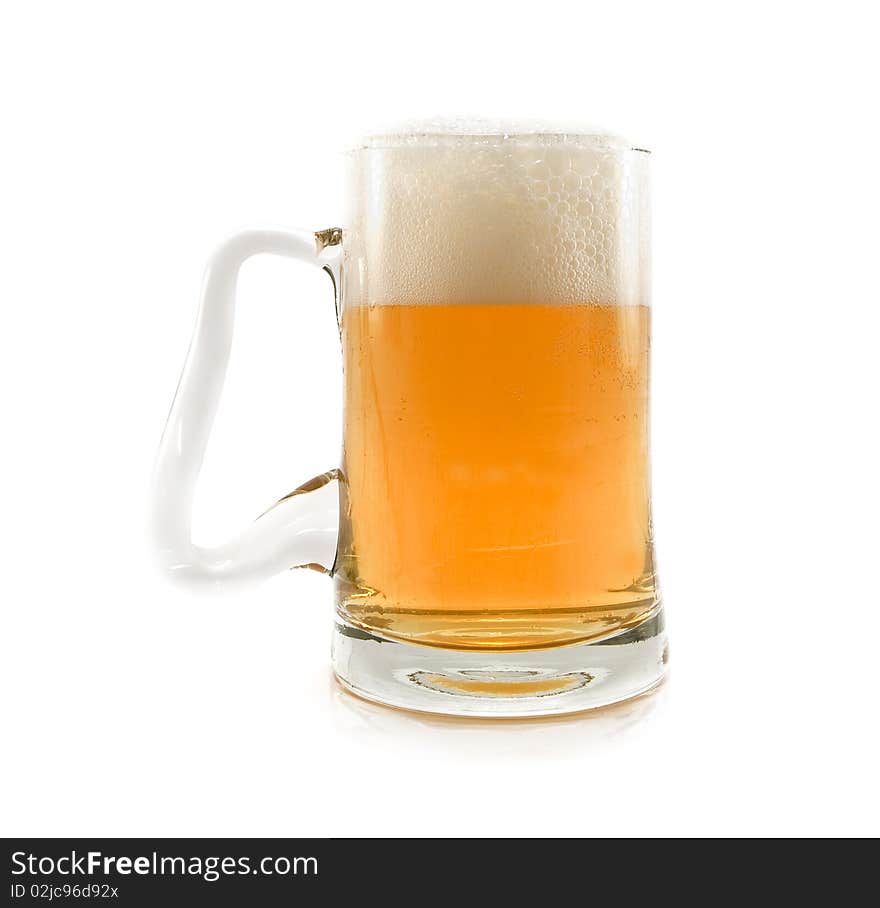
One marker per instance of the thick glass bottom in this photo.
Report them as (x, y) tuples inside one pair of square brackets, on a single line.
[(478, 683)]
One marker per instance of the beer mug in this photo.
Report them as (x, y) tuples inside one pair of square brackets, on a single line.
[(489, 529)]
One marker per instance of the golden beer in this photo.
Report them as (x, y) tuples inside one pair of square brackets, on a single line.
[(495, 552), (496, 473), (489, 529)]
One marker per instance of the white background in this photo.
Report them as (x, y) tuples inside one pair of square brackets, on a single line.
[(136, 136)]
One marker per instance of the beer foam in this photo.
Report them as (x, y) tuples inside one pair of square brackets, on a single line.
[(474, 129), (481, 211)]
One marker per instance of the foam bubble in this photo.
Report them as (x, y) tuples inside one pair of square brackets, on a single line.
[(485, 211)]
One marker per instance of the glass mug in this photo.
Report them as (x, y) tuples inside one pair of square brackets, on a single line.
[(489, 531)]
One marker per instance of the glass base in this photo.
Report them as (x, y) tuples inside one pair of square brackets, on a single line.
[(547, 682)]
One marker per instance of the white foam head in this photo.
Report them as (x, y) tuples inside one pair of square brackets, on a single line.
[(487, 211)]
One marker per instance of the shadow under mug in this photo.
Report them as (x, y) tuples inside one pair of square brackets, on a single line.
[(489, 529)]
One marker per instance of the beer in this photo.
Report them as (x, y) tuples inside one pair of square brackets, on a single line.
[(493, 553), (496, 481)]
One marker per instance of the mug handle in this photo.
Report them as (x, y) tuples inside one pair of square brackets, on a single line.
[(301, 529)]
